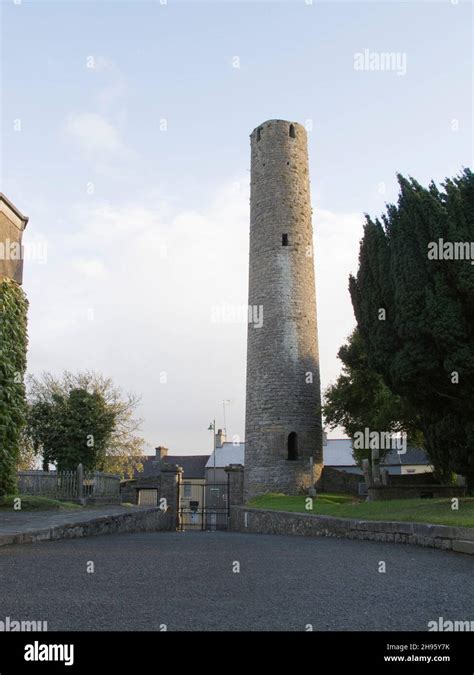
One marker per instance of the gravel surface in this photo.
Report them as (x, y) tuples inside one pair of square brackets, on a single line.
[(186, 581)]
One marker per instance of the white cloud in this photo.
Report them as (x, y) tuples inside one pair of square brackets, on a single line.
[(337, 237), (91, 269), (116, 86), (131, 293), (95, 137), (94, 134), (104, 63)]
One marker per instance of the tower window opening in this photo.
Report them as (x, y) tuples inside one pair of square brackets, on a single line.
[(284, 240), (293, 446), (259, 134), (292, 131)]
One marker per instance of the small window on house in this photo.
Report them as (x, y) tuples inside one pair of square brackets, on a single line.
[(292, 446), (292, 131), (259, 134), (284, 240), (187, 491)]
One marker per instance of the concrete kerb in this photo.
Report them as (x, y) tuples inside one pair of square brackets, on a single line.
[(262, 521)]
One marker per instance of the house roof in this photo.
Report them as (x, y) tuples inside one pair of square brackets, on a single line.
[(194, 466), (412, 456), (10, 209), (228, 453), (338, 452)]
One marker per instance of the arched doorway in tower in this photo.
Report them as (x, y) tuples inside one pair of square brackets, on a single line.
[(292, 446)]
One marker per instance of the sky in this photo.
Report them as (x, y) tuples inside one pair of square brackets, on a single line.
[(124, 139)]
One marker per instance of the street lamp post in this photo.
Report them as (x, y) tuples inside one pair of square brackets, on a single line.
[(212, 427)]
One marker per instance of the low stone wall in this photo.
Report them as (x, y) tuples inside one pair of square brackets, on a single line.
[(382, 492), (94, 501), (333, 480), (129, 488), (396, 479), (139, 520), (263, 521), (100, 501)]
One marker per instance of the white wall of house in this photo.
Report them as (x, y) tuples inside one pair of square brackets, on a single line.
[(416, 468)]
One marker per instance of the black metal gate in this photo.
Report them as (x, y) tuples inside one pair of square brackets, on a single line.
[(203, 505)]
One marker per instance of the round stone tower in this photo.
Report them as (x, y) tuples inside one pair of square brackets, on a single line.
[(283, 431)]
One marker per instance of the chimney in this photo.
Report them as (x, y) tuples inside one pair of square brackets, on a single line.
[(220, 438), (161, 452)]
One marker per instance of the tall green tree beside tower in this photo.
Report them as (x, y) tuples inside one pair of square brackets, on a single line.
[(415, 312), (360, 399)]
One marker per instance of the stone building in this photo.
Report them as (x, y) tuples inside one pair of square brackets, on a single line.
[(12, 225), (283, 407)]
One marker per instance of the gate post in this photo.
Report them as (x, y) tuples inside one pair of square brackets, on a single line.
[(235, 479), (170, 490)]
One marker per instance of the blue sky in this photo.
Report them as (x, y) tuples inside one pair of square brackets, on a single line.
[(135, 171)]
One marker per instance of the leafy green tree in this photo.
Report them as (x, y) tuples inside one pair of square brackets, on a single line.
[(66, 410), (415, 312), (73, 429), (360, 399), (13, 346)]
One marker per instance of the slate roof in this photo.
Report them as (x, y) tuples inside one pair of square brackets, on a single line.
[(338, 452), (227, 454), (193, 465), (412, 456)]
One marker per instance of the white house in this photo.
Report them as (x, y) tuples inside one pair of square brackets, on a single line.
[(225, 453), (337, 453)]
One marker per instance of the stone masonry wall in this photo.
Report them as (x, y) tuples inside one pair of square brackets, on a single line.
[(243, 519), (137, 520), (167, 483), (235, 474), (333, 480), (283, 382), (378, 493)]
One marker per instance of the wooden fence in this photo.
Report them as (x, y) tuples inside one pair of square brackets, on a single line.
[(77, 484)]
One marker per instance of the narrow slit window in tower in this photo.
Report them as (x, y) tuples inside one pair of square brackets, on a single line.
[(293, 446), (259, 134), (292, 131), (284, 240)]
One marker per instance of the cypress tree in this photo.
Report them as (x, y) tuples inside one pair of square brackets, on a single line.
[(415, 312)]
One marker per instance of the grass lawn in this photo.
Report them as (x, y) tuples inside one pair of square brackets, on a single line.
[(32, 503), (437, 511)]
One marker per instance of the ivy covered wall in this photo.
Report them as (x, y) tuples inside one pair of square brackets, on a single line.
[(13, 346)]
